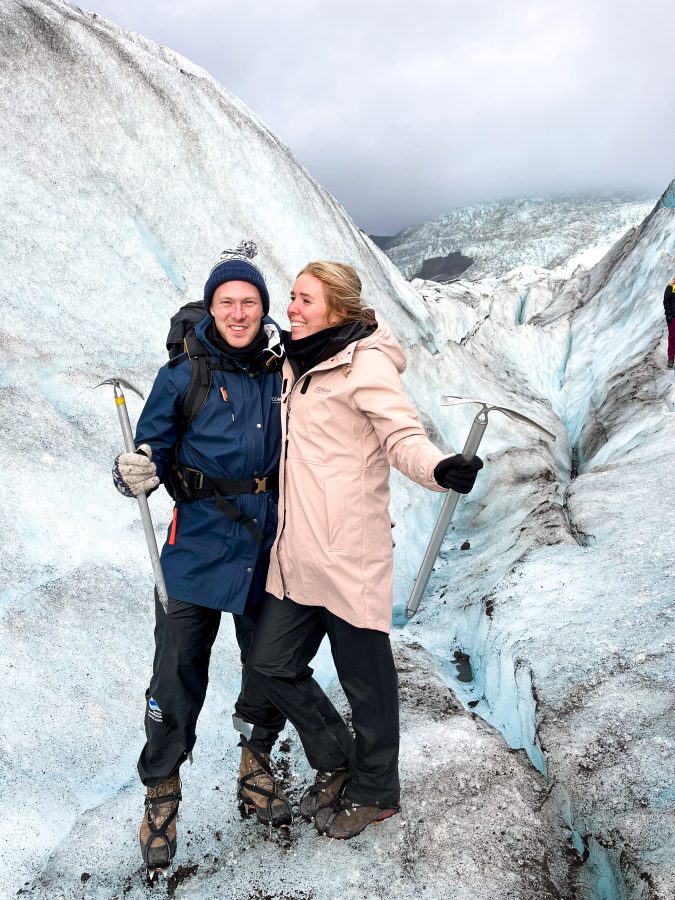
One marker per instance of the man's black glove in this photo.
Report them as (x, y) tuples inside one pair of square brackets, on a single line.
[(458, 474)]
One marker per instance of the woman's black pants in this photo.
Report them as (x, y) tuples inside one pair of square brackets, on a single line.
[(287, 638), (180, 675)]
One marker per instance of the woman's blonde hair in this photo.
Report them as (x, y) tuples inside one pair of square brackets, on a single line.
[(342, 288)]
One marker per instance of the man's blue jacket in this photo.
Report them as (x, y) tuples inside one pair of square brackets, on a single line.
[(214, 561)]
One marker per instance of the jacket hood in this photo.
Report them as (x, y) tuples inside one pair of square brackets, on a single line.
[(381, 339)]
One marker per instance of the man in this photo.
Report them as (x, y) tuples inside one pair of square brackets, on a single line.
[(669, 309), (220, 461)]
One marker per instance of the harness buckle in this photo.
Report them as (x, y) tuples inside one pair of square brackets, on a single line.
[(260, 485), (195, 480)]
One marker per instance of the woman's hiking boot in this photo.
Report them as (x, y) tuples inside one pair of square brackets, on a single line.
[(327, 788), (345, 819), (158, 828), (259, 791)]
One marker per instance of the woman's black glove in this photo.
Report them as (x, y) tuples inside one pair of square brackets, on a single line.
[(458, 474)]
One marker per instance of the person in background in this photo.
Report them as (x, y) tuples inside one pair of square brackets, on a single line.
[(669, 309), (345, 419)]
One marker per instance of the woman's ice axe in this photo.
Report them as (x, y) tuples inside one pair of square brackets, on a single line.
[(450, 503), (142, 499)]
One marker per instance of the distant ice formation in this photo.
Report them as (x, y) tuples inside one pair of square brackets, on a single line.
[(490, 239)]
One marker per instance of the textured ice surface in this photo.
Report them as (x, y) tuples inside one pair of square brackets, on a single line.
[(467, 802), (124, 171), (564, 601), (502, 235)]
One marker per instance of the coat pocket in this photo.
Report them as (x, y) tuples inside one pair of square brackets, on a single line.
[(204, 530), (335, 513)]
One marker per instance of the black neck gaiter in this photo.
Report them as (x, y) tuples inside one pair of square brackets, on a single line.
[(241, 354), (304, 353)]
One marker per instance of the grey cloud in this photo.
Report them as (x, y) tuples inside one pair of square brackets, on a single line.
[(406, 110)]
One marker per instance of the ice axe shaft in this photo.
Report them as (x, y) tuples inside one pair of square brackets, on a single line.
[(450, 503), (146, 518), (447, 511)]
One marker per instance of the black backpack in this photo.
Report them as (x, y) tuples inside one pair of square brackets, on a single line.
[(181, 325)]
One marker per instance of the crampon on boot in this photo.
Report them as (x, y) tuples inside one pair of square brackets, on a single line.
[(258, 790), (327, 788), (344, 819), (158, 828)]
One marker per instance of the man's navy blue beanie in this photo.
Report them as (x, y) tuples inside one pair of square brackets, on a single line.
[(236, 265)]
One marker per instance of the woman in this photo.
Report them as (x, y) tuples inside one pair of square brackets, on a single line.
[(345, 419)]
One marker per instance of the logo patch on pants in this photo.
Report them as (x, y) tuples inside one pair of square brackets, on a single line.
[(154, 711)]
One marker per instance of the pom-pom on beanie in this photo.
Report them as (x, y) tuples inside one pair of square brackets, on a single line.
[(236, 265)]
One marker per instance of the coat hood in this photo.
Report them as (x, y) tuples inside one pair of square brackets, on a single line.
[(381, 339)]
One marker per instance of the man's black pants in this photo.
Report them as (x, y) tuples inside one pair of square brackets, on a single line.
[(183, 642), (287, 638)]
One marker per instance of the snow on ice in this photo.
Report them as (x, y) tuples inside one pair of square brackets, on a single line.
[(537, 679), (494, 238)]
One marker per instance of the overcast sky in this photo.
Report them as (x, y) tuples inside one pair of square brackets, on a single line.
[(406, 110)]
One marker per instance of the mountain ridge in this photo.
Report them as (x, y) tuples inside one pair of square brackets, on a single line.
[(501, 235)]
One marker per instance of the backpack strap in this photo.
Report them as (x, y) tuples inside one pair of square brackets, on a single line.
[(203, 365), (195, 485), (200, 382)]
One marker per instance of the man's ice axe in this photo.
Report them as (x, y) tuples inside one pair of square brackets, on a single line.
[(450, 503), (142, 499)]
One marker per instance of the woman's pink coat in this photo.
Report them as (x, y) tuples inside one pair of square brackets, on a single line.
[(343, 424)]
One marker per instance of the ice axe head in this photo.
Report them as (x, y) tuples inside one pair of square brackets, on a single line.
[(118, 383), (488, 408)]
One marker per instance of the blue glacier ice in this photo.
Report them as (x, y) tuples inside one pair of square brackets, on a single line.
[(125, 170)]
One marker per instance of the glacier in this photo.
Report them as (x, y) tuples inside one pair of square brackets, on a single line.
[(536, 680), (490, 239)]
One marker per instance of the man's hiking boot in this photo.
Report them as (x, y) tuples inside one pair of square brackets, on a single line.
[(259, 792), (327, 788), (345, 819), (158, 828)]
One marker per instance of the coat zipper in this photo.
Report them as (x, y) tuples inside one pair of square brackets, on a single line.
[(307, 378), (305, 385), (288, 417)]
